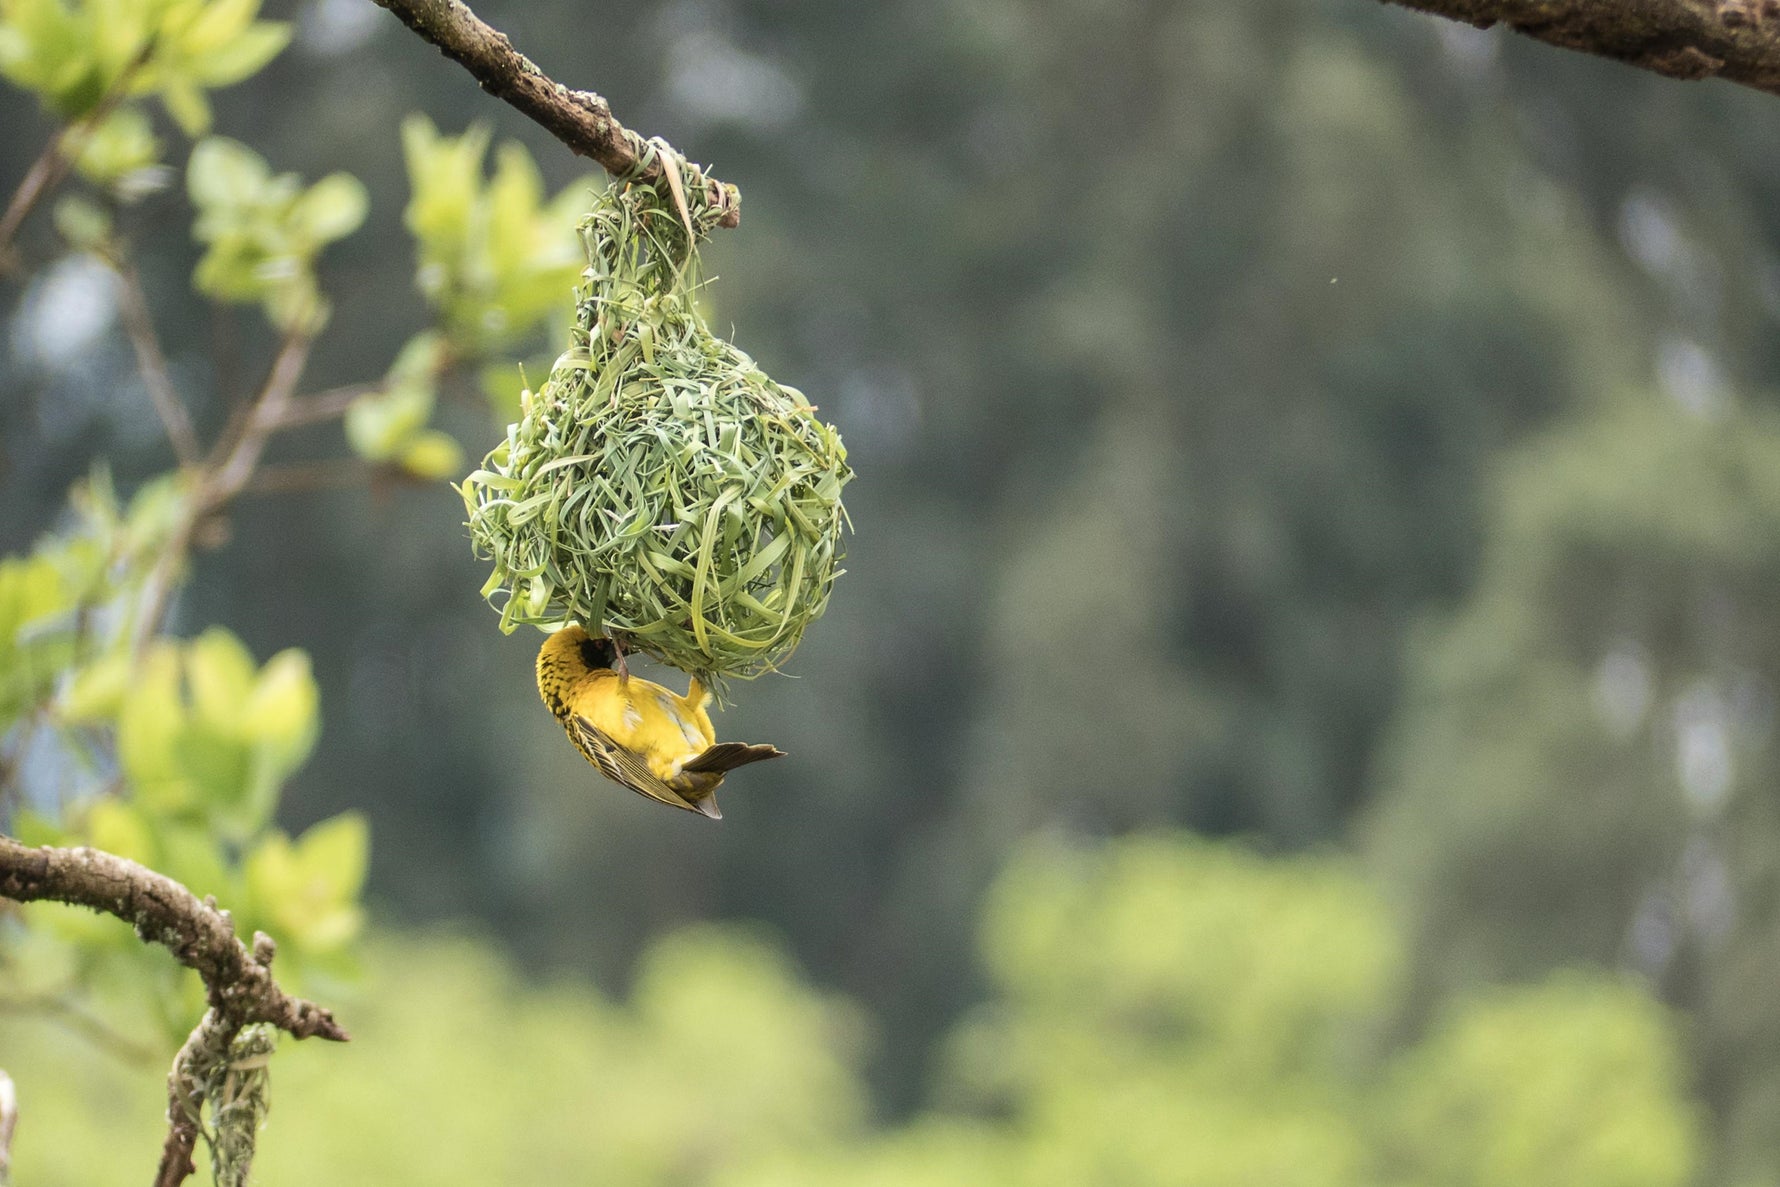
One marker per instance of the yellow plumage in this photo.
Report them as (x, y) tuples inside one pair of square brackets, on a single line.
[(635, 732)]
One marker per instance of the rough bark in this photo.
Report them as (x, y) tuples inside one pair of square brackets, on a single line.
[(582, 120), (238, 980), (199, 935), (1738, 40)]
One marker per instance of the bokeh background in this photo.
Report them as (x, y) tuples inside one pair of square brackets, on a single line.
[(1301, 704)]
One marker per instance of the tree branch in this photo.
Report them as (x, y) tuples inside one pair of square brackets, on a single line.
[(238, 982), (200, 936), (52, 165), (44, 175), (582, 120), (224, 475), (235, 467), (151, 361), (1738, 40), (328, 474), (329, 405)]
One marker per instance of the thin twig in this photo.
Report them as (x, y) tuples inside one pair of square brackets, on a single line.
[(329, 474), (93, 1029), (226, 480), (44, 175), (223, 476), (322, 406), (53, 164), (157, 593), (151, 360), (239, 982), (582, 120)]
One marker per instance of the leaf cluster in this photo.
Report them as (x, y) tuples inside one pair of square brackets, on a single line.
[(89, 61), (75, 585), (390, 425), (170, 753), (78, 54), (494, 261), (263, 231)]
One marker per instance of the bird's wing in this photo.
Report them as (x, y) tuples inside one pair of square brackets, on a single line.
[(727, 756), (621, 765)]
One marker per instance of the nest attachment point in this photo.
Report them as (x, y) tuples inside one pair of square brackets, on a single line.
[(661, 488)]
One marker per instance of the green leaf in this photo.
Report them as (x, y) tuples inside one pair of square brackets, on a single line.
[(149, 728), (217, 765), (331, 209), (513, 197), (97, 690), (307, 892), (220, 672), (122, 147), (186, 103), (76, 54), (443, 179), (420, 359), (334, 855), (282, 714), (264, 231), (242, 55), (76, 927), (36, 637), (294, 305), (380, 426), (70, 56), (494, 262), (432, 454), (155, 510), (118, 827), (225, 174), (192, 855), (34, 829)]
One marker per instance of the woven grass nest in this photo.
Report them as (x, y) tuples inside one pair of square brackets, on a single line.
[(660, 487)]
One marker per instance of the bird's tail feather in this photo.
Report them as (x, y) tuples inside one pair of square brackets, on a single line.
[(727, 756)]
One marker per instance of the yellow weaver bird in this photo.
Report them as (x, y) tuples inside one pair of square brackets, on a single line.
[(649, 738)]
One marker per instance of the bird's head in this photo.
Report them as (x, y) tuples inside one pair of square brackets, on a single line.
[(572, 650), (596, 652)]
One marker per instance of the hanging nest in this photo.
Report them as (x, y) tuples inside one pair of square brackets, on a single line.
[(660, 487)]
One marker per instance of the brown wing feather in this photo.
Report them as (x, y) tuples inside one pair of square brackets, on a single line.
[(727, 756), (621, 766)]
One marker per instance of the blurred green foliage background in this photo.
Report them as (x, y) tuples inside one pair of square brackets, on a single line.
[(1309, 425), (1163, 1010)]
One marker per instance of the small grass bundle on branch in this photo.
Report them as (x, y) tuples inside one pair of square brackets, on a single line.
[(660, 487)]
